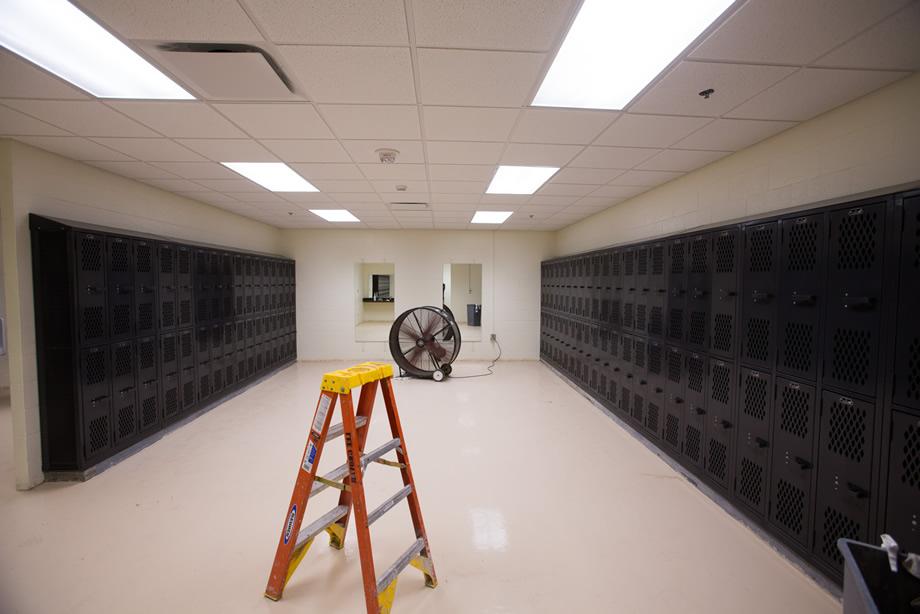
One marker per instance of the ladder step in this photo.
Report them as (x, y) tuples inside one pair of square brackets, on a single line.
[(336, 430), (387, 505), (319, 525), (393, 570), (342, 470)]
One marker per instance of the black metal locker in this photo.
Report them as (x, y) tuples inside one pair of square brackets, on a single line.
[(215, 306), (845, 456), (628, 295), (217, 341), (242, 371), (203, 344), (655, 400), (906, 378), (169, 353), (95, 378), (722, 422), (125, 419), (674, 399), (186, 347), (698, 293), (758, 286), (801, 294), (902, 519), (854, 288), (202, 286), (91, 289), (677, 290), (204, 380), (171, 395), (189, 381), (793, 459), (639, 381), (723, 309), (166, 256), (145, 282), (120, 283), (229, 369), (755, 419), (695, 368)]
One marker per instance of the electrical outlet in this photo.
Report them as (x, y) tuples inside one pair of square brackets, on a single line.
[(492, 337)]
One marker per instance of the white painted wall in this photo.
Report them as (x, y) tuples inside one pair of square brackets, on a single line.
[(325, 291), (35, 181), (466, 289), (374, 312), (4, 358), (866, 146)]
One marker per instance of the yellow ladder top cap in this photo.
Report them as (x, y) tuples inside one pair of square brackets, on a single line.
[(345, 380)]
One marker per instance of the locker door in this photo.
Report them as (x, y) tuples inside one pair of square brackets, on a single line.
[(203, 344), (169, 353), (217, 357), (627, 377), (801, 295), (616, 279), (754, 421), (903, 506), (120, 276), (628, 318), (723, 323), (167, 286), (615, 371), (658, 288), (204, 381), (758, 287), (642, 289), (640, 386), (124, 392), (187, 362), (696, 366), (91, 289), (170, 395), (226, 285), (202, 286), (698, 283), (907, 352), (654, 413), (215, 306), (95, 376), (147, 389), (144, 288), (677, 290), (185, 285), (844, 474), (854, 288), (720, 440), (793, 460), (674, 399)]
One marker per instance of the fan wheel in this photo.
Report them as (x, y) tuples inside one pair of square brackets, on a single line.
[(424, 341)]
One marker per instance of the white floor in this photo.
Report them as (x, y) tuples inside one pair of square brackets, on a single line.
[(535, 502)]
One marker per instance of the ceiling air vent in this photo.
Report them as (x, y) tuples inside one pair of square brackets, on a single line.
[(226, 71), (408, 206)]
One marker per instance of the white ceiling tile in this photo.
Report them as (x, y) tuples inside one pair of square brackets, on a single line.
[(551, 201), (461, 172), (529, 154), (405, 197), (22, 79), (372, 121), (213, 198), (732, 134), (14, 123), (892, 44), (328, 185), (564, 126), (307, 199), (680, 160), (82, 117), (151, 150), (179, 119), (379, 75), (230, 150), (365, 152), (504, 199), (135, 170), (524, 25), (332, 22), (595, 176), (645, 178), (613, 157), (468, 124), (236, 185), (355, 197), (459, 187), (477, 78), (278, 120), (451, 152), (384, 186), (74, 147), (296, 150), (565, 189), (394, 172), (677, 93), (260, 198), (176, 185), (618, 191), (790, 31), (812, 91), (454, 199), (201, 20), (632, 130), (329, 171), (197, 170)]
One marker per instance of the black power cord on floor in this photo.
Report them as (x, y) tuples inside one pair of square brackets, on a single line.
[(489, 368)]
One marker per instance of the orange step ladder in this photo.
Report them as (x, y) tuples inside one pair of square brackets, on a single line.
[(349, 479)]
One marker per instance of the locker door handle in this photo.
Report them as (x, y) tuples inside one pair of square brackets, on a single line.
[(678, 292), (727, 294), (146, 290), (99, 399), (802, 463), (856, 491), (761, 442), (169, 288), (658, 389), (124, 391), (119, 289), (698, 293), (616, 369), (642, 382), (95, 289), (725, 424), (858, 303), (629, 376), (758, 296), (802, 299), (700, 411), (678, 400)]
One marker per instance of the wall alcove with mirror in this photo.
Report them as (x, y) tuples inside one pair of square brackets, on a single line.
[(461, 291), (375, 300)]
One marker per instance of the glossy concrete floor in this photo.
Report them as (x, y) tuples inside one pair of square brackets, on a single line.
[(534, 500)]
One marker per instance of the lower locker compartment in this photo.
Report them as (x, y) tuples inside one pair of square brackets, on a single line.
[(97, 428), (170, 395), (839, 513), (188, 381), (125, 418), (719, 451), (204, 380), (694, 434), (752, 473), (902, 519)]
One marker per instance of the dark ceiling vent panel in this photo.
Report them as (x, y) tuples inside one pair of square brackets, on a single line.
[(228, 71)]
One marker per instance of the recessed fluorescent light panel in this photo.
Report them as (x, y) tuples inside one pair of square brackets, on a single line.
[(520, 179), (63, 40), (490, 217), (614, 49), (335, 215), (274, 176)]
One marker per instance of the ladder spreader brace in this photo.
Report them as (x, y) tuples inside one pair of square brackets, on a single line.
[(349, 480)]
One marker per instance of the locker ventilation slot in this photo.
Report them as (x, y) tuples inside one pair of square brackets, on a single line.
[(755, 397), (677, 259), (628, 316), (185, 311), (184, 262), (699, 256), (722, 332), (794, 411), (651, 417), (797, 349), (913, 370), (654, 359), (629, 258), (121, 319), (676, 324), (671, 433), (120, 261), (852, 350), (145, 316), (123, 360), (758, 339), (640, 354), (166, 261), (717, 456), (169, 350), (91, 254), (910, 466), (642, 265), (761, 258), (803, 246), (856, 246), (837, 525), (721, 382), (98, 434), (186, 341), (95, 368), (146, 351), (637, 407), (790, 506), (725, 253), (658, 260), (142, 254), (674, 367), (126, 421), (695, 374), (640, 317), (697, 332), (171, 401), (847, 430), (750, 481), (93, 322), (149, 411), (655, 321), (188, 394), (692, 444)]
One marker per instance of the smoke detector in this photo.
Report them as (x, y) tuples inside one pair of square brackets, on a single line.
[(387, 156)]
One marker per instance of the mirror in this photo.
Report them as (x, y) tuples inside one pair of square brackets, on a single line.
[(461, 291), (374, 300)]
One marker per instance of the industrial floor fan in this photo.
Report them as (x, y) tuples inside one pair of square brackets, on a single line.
[(424, 341)]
